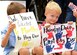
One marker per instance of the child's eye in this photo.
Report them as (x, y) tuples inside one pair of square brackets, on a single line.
[(52, 15)]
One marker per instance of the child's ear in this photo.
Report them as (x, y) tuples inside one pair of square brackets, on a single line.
[(45, 13)]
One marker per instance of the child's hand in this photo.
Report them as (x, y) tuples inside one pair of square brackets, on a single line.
[(11, 26), (75, 12), (70, 22), (47, 25)]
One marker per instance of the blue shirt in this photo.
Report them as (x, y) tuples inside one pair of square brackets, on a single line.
[(11, 42)]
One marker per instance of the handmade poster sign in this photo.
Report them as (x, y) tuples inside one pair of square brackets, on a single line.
[(58, 38), (26, 31)]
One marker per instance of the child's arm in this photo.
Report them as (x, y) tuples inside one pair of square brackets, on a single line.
[(7, 35), (73, 7), (75, 12)]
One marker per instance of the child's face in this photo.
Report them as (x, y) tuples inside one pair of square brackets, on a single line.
[(52, 16)]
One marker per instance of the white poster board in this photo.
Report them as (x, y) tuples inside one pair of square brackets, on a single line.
[(26, 31), (59, 38)]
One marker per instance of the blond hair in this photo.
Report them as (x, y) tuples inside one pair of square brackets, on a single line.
[(53, 6)]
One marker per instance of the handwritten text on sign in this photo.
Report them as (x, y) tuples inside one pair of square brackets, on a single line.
[(58, 38), (26, 31)]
